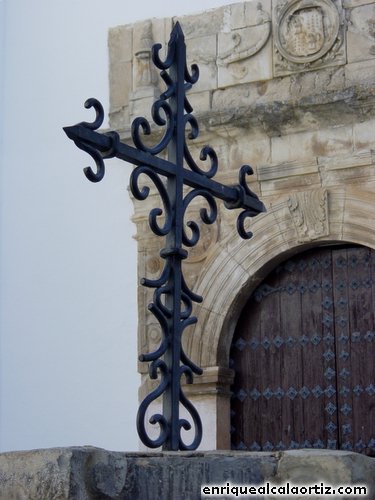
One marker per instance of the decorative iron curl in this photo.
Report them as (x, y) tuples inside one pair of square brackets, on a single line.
[(244, 194), (193, 296), (187, 368), (185, 424), (99, 118), (141, 126), (171, 51), (142, 194), (206, 152), (94, 153), (98, 159), (192, 77), (245, 170), (163, 314), (142, 123), (208, 217), (184, 358), (160, 351), (157, 418)]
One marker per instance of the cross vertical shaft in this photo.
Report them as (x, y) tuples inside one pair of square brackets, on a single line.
[(171, 397)]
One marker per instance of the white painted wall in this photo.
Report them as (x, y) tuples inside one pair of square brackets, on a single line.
[(68, 337)]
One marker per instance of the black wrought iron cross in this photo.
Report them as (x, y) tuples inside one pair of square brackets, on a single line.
[(172, 299)]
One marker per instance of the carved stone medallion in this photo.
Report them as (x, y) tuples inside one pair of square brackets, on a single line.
[(308, 33)]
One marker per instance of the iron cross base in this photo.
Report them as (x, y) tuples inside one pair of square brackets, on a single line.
[(172, 298)]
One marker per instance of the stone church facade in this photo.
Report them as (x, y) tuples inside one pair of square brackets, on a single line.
[(289, 88)]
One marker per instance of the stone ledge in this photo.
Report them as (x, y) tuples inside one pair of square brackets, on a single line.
[(85, 473), (233, 109)]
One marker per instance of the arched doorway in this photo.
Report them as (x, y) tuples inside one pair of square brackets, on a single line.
[(304, 355)]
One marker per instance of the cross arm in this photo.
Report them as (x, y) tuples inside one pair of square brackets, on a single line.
[(108, 145)]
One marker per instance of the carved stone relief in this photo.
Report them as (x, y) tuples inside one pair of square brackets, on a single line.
[(144, 87), (237, 48), (308, 34), (246, 42), (309, 211)]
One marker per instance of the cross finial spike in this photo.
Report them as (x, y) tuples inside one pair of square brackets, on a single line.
[(177, 30)]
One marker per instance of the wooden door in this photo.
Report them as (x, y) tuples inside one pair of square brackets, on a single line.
[(304, 355)]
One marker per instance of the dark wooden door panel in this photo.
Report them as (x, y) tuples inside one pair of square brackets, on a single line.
[(353, 276), (303, 354)]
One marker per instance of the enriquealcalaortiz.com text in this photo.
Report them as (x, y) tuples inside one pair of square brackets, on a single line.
[(233, 490)]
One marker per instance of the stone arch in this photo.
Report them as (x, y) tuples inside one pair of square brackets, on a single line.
[(236, 267)]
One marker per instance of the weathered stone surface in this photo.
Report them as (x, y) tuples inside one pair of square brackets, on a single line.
[(86, 473), (335, 468), (120, 69), (361, 33), (62, 473)]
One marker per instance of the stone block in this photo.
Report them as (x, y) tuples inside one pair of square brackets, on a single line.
[(234, 16), (270, 238), (63, 473), (245, 52), (287, 170), (360, 73), (216, 296), (245, 150), (120, 44), (120, 84), (364, 135), (161, 29), (198, 25), (358, 226), (87, 473), (297, 183), (200, 101), (307, 145), (202, 51), (141, 101), (251, 63), (334, 468), (119, 119), (348, 4), (252, 11), (361, 33)]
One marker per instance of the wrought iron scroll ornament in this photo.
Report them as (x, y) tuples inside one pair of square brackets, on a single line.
[(172, 298)]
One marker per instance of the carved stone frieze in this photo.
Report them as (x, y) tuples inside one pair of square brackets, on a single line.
[(246, 42), (143, 41), (238, 48), (309, 211), (144, 77), (308, 34)]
